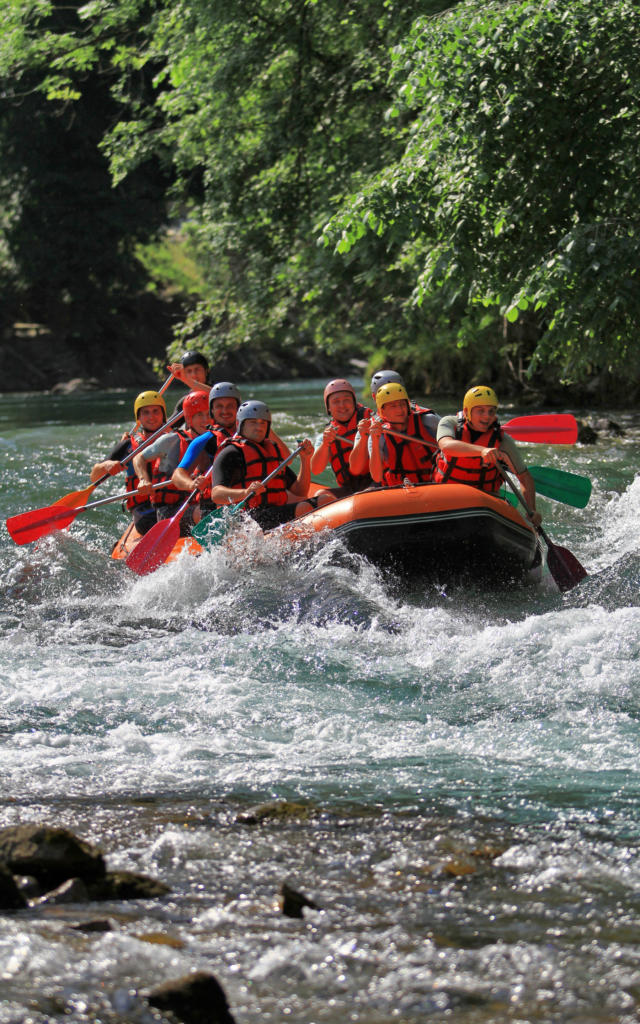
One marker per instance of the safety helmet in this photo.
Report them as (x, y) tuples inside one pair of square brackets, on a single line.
[(195, 402), (146, 398), (390, 393), (334, 387), (481, 395), (191, 357), (252, 411), (384, 377), (224, 389)]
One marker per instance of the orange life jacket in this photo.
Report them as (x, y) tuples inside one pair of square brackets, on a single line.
[(131, 480), (170, 496), (259, 461), (406, 459), (339, 453), (466, 469)]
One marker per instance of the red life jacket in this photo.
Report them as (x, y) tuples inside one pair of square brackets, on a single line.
[(468, 470), (259, 461), (131, 481), (406, 459), (170, 496), (339, 453)]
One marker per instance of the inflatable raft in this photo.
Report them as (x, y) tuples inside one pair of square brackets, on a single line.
[(441, 530)]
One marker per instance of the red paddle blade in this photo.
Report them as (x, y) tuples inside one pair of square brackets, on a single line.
[(551, 428), (564, 567), (153, 549), (28, 526)]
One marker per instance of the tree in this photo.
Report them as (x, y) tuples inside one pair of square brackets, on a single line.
[(271, 111), (68, 235), (519, 182)]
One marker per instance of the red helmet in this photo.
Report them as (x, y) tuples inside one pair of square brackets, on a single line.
[(333, 387), (196, 401)]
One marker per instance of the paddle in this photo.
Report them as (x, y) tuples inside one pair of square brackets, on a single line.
[(75, 499), (211, 531), (563, 565), (557, 484), (552, 428), (156, 545), (29, 526)]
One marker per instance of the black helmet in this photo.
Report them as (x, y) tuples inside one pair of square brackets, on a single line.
[(252, 411), (191, 357)]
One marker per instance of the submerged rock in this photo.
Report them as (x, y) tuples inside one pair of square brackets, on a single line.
[(127, 885), (277, 810), (195, 999), (51, 855), (10, 896)]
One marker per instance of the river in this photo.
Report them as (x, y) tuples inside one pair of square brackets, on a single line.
[(452, 776)]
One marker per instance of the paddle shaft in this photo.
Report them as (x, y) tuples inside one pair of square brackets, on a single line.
[(563, 565)]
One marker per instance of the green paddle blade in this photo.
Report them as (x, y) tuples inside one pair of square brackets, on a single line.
[(555, 483), (212, 528), (562, 486)]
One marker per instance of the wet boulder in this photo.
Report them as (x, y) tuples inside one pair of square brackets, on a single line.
[(292, 902), (586, 433), (72, 891), (51, 855), (197, 998)]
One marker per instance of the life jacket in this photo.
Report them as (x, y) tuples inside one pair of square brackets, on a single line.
[(168, 495), (136, 438), (466, 469), (339, 453), (407, 460), (259, 461)]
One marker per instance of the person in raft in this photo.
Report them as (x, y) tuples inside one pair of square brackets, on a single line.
[(192, 370), (248, 458), (337, 439), (157, 463), (359, 457), (472, 445), (393, 459), (150, 413), (223, 402)]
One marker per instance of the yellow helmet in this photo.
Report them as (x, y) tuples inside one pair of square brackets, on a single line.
[(146, 398), (479, 396), (390, 392)]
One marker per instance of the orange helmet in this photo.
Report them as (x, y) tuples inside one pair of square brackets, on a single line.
[(195, 402)]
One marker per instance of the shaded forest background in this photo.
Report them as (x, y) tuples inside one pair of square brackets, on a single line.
[(302, 186)]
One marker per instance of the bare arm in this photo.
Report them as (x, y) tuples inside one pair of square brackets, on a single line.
[(301, 485)]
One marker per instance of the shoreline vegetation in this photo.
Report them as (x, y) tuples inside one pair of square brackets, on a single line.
[(212, 183)]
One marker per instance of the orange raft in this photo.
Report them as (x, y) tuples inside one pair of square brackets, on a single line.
[(441, 530)]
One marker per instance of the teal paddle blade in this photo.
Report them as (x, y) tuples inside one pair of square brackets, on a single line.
[(569, 488)]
